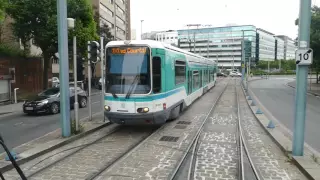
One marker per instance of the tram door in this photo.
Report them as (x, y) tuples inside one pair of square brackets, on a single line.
[(189, 82)]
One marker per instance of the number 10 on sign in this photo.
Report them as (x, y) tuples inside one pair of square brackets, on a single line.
[(304, 56)]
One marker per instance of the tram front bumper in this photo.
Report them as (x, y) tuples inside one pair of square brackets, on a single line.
[(141, 118)]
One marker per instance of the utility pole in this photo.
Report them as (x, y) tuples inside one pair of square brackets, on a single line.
[(64, 67), (301, 77)]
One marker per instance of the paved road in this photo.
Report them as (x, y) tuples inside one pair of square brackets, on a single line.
[(19, 128), (279, 99)]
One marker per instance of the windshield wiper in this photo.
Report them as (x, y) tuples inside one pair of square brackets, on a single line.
[(131, 87), (14, 163)]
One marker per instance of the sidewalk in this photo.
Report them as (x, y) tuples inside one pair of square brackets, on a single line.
[(313, 89), (50, 142), (10, 108)]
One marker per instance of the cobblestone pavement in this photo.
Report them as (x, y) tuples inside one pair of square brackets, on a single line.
[(75, 163), (156, 159), (270, 161), (217, 154)]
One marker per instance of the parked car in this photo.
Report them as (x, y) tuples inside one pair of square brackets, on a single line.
[(221, 74), (235, 74), (48, 101)]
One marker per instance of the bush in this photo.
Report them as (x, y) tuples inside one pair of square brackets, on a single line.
[(11, 51), (73, 127)]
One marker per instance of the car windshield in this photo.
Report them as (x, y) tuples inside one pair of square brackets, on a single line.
[(50, 92)]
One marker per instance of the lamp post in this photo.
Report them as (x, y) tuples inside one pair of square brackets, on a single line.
[(71, 25)]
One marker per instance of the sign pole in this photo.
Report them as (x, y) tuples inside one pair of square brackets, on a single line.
[(64, 68), (89, 82), (301, 78), (102, 64)]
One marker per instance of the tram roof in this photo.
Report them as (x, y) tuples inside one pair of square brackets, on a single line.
[(155, 44)]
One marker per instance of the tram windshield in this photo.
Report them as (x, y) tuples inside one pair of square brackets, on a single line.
[(128, 70)]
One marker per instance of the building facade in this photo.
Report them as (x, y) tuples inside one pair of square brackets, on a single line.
[(266, 50), (133, 34), (170, 37), (289, 47), (223, 44), (279, 53), (115, 14)]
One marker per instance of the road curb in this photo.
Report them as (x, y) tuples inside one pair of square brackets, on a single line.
[(308, 92), (65, 141), (306, 165)]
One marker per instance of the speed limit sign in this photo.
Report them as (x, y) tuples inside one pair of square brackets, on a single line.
[(304, 56)]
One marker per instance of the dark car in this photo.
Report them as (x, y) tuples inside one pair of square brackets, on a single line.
[(49, 101)]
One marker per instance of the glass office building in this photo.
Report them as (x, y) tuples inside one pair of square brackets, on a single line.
[(220, 43)]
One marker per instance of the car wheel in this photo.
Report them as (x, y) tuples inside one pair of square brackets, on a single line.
[(82, 102), (54, 108)]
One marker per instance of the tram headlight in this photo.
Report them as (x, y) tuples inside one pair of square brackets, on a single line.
[(143, 110), (107, 108)]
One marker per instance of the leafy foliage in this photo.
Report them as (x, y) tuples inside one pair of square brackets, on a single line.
[(37, 20), (285, 65), (314, 37), (3, 4)]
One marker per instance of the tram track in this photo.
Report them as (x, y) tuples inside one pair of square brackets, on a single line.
[(118, 132), (245, 163), (194, 143)]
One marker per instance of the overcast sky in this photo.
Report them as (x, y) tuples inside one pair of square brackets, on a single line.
[(276, 16)]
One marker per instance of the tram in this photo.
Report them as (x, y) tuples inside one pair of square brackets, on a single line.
[(150, 82)]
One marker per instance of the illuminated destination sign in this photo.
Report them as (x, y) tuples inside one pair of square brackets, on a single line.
[(129, 50)]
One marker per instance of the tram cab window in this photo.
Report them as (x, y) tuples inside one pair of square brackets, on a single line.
[(156, 70)]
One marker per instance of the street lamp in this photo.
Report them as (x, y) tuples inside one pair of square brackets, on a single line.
[(141, 28), (71, 25)]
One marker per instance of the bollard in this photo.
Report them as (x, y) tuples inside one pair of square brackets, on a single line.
[(15, 95), (270, 125), (259, 111), (14, 155)]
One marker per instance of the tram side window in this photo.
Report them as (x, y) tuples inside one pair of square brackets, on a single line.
[(196, 81), (156, 70), (180, 72), (211, 76)]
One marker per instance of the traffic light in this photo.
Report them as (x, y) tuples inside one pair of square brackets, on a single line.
[(93, 51), (80, 69)]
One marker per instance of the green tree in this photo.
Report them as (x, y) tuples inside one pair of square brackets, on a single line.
[(315, 38), (37, 19), (3, 4)]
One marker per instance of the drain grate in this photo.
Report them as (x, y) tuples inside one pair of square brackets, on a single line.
[(180, 127), (169, 138), (184, 122)]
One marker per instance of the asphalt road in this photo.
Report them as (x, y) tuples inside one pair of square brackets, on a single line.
[(20, 128), (279, 99)]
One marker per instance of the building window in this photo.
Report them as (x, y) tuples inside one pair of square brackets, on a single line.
[(106, 10), (120, 30), (156, 70), (120, 20), (180, 72), (120, 10)]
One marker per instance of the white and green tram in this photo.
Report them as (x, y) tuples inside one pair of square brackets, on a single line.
[(149, 82)]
